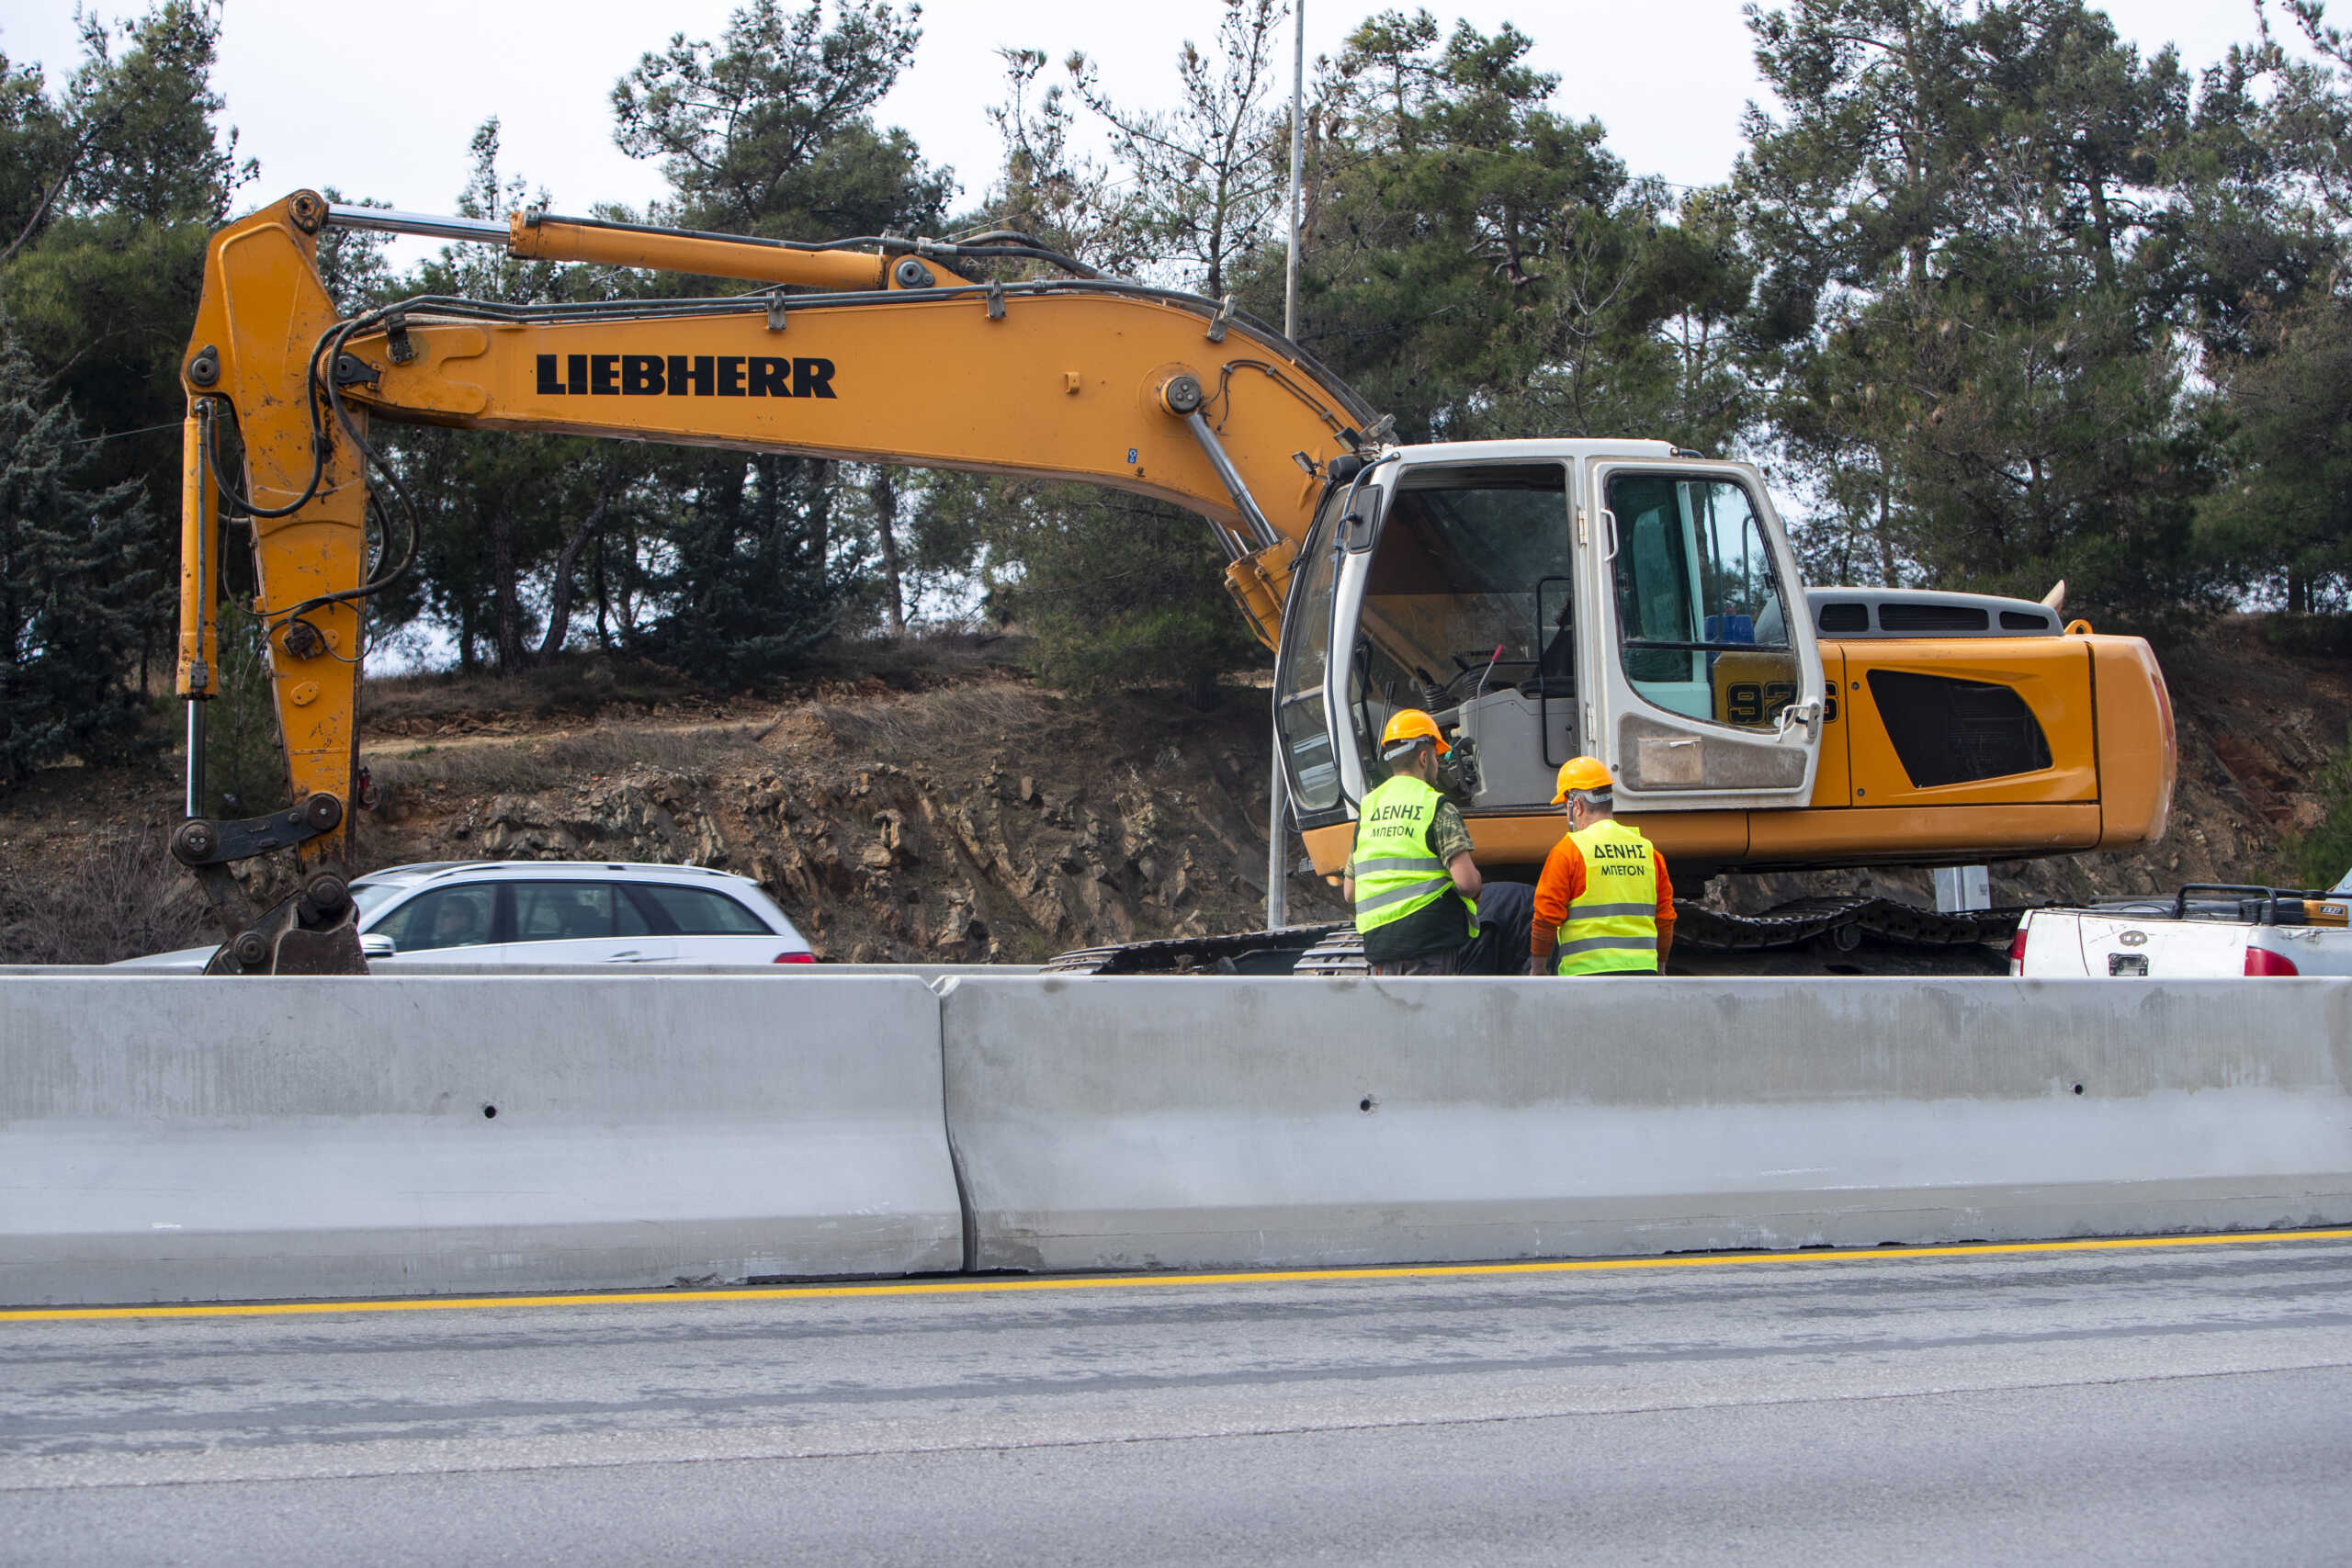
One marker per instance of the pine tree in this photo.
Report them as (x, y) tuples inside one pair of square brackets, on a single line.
[(768, 129), (1981, 381), (72, 596), (757, 580)]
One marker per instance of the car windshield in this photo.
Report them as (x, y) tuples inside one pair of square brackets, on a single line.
[(371, 897)]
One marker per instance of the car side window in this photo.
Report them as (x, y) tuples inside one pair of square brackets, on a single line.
[(695, 911), (447, 917), (629, 917), (561, 911)]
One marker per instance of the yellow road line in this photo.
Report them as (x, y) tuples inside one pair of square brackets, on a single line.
[(991, 1284)]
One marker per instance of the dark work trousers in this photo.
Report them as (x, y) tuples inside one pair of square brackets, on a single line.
[(1505, 911)]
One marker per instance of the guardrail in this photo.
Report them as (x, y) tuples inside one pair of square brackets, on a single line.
[(168, 1138)]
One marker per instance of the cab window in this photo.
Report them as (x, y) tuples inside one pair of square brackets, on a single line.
[(1298, 683), (1470, 589), (1701, 627)]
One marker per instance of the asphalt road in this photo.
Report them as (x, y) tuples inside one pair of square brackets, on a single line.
[(2179, 1404)]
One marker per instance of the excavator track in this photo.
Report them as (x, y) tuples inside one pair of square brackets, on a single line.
[(1845, 926), (1844, 923), (1246, 953)]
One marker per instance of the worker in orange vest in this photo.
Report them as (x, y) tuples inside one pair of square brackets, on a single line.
[(1604, 904)]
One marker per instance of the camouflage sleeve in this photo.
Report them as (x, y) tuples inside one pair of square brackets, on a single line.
[(1448, 836)]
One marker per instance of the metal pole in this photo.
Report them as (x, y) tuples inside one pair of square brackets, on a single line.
[(1277, 827), (1297, 158)]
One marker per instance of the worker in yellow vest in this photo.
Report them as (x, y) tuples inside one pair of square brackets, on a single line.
[(1603, 904), (1411, 878)]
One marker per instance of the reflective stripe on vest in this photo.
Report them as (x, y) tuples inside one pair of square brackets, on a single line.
[(1396, 875), (1613, 924)]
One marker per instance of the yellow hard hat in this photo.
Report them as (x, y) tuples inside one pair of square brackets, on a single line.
[(1406, 730), (1582, 773)]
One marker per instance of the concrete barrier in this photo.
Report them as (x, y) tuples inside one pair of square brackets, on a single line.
[(1135, 1123), (165, 1139)]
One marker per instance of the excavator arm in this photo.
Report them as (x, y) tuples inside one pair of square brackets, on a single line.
[(892, 354)]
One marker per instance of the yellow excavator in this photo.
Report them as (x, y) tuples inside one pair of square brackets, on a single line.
[(1542, 598)]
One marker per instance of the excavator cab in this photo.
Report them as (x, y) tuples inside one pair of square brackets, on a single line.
[(1544, 599)]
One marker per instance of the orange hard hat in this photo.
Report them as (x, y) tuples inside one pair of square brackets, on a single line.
[(1582, 774), (1406, 730)]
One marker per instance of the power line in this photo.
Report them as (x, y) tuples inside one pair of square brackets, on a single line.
[(117, 435)]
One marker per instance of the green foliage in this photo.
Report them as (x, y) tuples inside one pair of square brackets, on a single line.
[(245, 765), (1203, 179), (1046, 190), (1480, 265), (110, 181), (768, 129), (493, 509), (102, 303), (2322, 857), (1962, 208), (130, 131), (2284, 519), (73, 595), (1115, 589), (756, 582)]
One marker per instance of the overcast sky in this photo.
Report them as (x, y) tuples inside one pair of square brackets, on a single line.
[(379, 100)]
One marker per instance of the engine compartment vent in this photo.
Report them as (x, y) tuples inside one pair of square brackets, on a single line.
[(1927, 617), (1947, 731)]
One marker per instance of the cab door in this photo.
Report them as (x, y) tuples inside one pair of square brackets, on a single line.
[(1706, 688)]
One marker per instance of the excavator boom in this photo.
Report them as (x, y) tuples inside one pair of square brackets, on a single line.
[(892, 355)]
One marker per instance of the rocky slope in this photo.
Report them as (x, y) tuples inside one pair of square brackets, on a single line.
[(982, 820)]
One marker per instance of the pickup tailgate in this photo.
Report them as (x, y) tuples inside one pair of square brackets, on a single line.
[(2061, 942), (2125, 945)]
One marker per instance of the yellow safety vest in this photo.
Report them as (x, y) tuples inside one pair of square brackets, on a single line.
[(1396, 875), (1612, 925)]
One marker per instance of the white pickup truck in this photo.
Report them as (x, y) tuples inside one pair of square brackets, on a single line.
[(2203, 931)]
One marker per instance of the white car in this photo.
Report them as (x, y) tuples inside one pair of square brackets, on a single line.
[(555, 912)]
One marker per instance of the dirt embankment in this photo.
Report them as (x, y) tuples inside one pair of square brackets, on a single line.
[(979, 820), (945, 807)]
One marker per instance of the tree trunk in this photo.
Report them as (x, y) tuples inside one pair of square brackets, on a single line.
[(603, 600), (465, 661), (884, 492), (505, 599), (2103, 232), (820, 513), (768, 507), (560, 591)]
